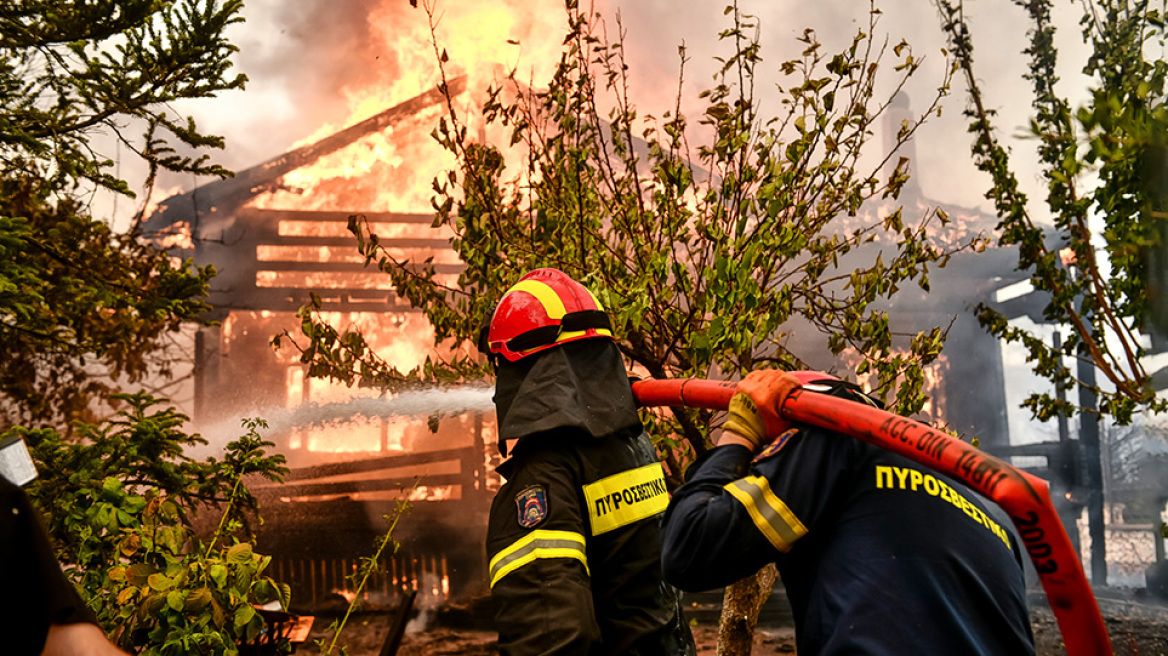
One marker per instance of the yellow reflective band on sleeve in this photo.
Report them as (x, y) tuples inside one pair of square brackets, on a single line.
[(778, 524), (537, 544), (627, 497)]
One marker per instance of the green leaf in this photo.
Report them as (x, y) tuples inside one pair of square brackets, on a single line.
[(139, 573), (218, 574), (176, 600), (160, 582), (198, 599), (240, 553), (243, 615)]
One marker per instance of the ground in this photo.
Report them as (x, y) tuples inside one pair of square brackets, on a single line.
[(1137, 628), (365, 639)]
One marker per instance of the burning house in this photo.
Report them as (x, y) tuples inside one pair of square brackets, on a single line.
[(276, 233)]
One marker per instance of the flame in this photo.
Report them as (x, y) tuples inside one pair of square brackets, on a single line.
[(345, 593), (177, 236), (523, 35), (437, 493), (392, 171)]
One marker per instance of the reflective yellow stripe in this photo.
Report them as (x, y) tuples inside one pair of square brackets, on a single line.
[(778, 524), (544, 294), (554, 305), (627, 497), (537, 544)]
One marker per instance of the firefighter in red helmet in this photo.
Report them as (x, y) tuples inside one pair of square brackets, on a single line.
[(574, 537)]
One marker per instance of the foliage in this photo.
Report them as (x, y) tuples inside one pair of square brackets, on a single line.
[(368, 566), (72, 69), (760, 247), (1102, 162), (121, 505), (81, 307), (81, 304)]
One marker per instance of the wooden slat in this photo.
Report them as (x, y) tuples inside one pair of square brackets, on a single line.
[(345, 267), (351, 487), (351, 241), (384, 462), (317, 216)]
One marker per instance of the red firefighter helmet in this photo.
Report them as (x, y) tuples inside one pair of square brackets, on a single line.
[(545, 308)]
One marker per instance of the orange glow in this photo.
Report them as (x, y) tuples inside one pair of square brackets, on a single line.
[(347, 594), (348, 254), (340, 229), (439, 493), (177, 236), (392, 170)]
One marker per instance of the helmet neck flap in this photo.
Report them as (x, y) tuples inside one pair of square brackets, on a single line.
[(581, 385)]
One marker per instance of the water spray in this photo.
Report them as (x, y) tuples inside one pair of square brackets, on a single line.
[(421, 403), (1024, 497)]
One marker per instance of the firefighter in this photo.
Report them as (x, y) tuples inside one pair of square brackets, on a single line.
[(574, 536), (40, 612), (878, 555)]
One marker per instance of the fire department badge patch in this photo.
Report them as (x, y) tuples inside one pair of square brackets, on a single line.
[(777, 445), (533, 507)]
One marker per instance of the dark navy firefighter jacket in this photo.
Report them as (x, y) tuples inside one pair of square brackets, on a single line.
[(878, 555), (574, 538)]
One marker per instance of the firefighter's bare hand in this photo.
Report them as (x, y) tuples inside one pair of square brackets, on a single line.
[(756, 407)]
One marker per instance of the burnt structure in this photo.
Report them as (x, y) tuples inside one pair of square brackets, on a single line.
[(330, 512)]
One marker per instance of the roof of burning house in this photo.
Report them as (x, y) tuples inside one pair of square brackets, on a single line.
[(216, 201)]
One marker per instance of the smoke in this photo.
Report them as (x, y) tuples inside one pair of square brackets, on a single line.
[(944, 168), (309, 62), (430, 596)]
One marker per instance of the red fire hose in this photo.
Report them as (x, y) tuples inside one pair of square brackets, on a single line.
[(1024, 497)]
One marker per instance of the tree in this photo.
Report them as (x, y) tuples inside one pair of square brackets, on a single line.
[(1101, 237), (706, 260), (758, 248), (74, 69), (83, 305)]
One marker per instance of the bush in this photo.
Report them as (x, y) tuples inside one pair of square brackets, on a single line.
[(120, 503)]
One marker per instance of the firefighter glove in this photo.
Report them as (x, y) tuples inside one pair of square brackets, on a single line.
[(755, 408)]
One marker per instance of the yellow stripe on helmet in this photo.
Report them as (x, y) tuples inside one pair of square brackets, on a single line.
[(554, 305)]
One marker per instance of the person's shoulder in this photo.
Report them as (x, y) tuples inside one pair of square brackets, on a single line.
[(806, 438), (548, 446)]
